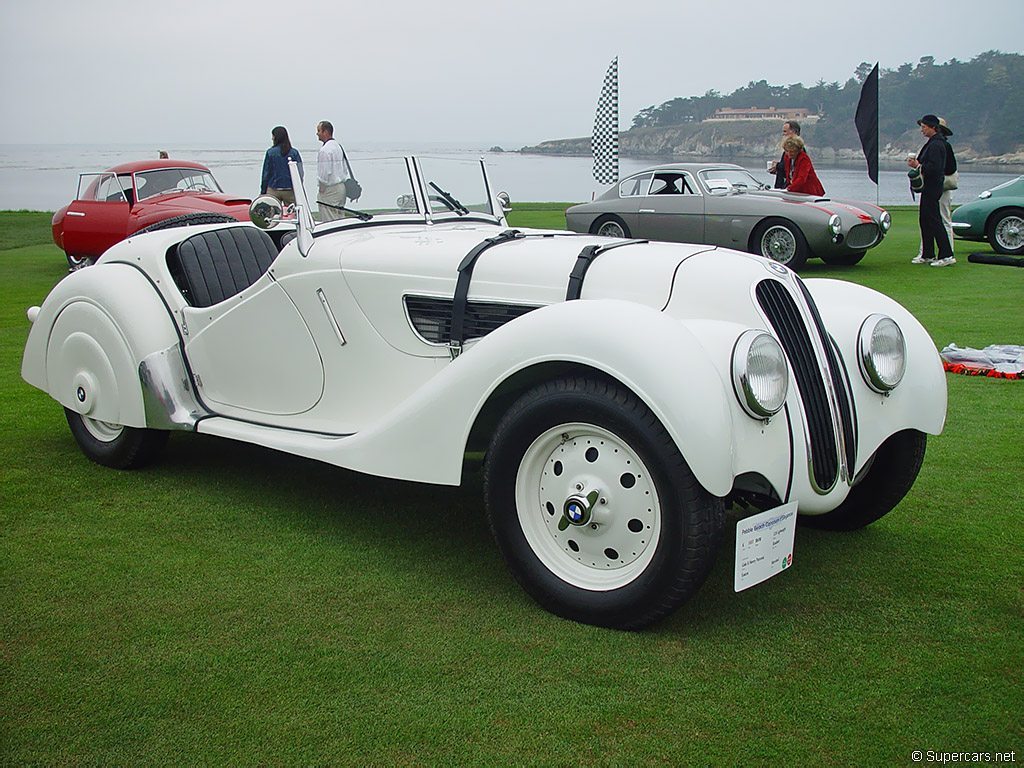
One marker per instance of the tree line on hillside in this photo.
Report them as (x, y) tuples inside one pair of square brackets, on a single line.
[(981, 99)]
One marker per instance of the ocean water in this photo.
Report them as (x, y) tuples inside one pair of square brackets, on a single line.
[(45, 177)]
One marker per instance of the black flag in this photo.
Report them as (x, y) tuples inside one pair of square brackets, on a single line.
[(866, 121)]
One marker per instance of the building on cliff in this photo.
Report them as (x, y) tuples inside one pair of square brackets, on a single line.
[(758, 113)]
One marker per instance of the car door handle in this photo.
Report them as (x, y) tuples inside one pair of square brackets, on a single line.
[(75, 213), (646, 210)]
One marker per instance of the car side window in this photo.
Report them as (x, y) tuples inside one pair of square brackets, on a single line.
[(636, 185), (109, 190), (670, 184)]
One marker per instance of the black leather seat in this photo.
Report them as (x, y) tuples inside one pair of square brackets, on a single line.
[(213, 266)]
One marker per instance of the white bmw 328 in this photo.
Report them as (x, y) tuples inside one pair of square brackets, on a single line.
[(624, 393)]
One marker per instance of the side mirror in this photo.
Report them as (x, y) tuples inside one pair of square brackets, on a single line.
[(505, 201), (266, 212)]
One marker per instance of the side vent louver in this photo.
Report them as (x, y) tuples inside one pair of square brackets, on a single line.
[(432, 317)]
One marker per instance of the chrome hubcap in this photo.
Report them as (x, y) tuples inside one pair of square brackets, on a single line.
[(588, 506)]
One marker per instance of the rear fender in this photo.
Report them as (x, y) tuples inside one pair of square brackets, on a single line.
[(89, 337)]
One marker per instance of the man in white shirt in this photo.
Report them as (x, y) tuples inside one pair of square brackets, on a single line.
[(330, 172)]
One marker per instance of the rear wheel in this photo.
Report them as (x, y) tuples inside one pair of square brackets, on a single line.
[(595, 511), (879, 487), (610, 225), (1005, 231), (843, 259), (188, 220), (115, 445), (782, 241)]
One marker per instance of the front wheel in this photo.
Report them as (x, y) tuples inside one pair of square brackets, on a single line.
[(79, 262), (879, 487), (782, 241), (1005, 231), (114, 445), (595, 511)]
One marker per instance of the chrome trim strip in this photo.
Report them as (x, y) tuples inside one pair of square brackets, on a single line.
[(330, 316), (167, 395)]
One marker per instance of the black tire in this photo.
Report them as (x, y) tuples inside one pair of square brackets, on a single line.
[(113, 445), (612, 224), (843, 259), (1005, 231), (188, 220), (683, 523), (782, 241), (886, 479), (79, 262)]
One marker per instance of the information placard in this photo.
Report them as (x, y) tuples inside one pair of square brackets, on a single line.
[(764, 545)]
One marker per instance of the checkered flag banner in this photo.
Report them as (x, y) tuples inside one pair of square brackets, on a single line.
[(605, 143)]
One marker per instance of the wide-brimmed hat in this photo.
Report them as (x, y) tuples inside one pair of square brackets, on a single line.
[(930, 120), (946, 130)]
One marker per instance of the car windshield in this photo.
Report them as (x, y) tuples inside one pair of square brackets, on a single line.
[(456, 187), (165, 181), (719, 180), (453, 187)]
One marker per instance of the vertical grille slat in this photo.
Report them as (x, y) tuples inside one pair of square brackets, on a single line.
[(785, 317)]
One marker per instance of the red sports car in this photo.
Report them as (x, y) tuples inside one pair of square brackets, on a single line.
[(144, 195)]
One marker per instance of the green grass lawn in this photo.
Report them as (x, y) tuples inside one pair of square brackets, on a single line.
[(237, 605)]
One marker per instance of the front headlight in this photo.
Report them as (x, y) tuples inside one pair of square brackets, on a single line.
[(885, 221), (882, 353), (986, 194), (835, 224), (760, 375)]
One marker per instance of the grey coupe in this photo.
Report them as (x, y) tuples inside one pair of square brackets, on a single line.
[(719, 204)]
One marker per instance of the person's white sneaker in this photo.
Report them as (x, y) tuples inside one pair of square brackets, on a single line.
[(919, 259), (949, 261)]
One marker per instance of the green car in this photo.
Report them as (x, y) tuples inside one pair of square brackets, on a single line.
[(996, 216)]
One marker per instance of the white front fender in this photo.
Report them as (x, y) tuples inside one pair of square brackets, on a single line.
[(653, 355)]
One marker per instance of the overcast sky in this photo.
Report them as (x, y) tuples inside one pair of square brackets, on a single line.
[(456, 71)]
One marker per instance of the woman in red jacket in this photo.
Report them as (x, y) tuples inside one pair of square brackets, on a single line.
[(800, 175)]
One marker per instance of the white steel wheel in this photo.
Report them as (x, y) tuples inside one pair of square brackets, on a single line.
[(114, 445), (588, 506), (103, 431), (595, 511)]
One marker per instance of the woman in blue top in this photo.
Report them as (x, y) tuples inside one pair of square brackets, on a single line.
[(277, 180)]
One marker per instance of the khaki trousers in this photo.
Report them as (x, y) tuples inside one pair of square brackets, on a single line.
[(333, 194)]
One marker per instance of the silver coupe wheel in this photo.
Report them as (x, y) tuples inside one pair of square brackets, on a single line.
[(588, 506), (611, 229), (778, 243)]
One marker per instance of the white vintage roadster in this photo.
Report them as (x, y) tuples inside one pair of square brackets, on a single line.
[(624, 392)]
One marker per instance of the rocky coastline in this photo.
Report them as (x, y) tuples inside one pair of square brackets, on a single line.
[(757, 139)]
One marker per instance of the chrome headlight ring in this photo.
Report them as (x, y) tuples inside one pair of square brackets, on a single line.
[(835, 224), (881, 353), (760, 374), (885, 221)]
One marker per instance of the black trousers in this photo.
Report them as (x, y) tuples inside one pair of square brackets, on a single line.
[(933, 234)]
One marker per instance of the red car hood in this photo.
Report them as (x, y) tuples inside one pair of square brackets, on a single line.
[(211, 202)]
